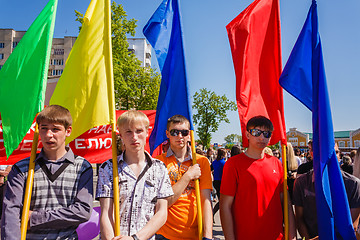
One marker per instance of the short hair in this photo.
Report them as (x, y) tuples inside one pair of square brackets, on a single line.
[(235, 150), (346, 160), (259, 121), (177, 119), (55, 114), (133, 116)]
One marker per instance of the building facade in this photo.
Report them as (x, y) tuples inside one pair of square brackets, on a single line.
[(346, 140), (141, 49), (61, 47)]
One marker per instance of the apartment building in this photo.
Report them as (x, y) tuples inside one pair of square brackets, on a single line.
[(61, 47)]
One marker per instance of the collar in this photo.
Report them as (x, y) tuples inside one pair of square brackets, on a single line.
[(69, 156), (148, 158), (188, 152)]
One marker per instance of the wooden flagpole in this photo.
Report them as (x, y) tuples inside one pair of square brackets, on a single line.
[(197, 188), (286, 209), (29, 185), (111, 99)]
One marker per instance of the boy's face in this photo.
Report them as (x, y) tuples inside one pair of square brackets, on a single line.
[(258, 142), (177, 139), (53, 136), (134, 136)]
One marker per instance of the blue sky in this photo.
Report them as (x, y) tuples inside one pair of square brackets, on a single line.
[(207, 50)]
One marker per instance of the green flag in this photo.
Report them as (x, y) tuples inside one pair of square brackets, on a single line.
[(23, 78)]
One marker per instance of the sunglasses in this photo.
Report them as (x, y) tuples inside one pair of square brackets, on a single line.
[(257, 132), (175, 132)]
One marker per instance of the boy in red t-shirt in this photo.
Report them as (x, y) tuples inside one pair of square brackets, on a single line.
[(251, 190)]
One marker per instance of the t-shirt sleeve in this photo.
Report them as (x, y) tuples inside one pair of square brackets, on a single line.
[(104, 187), (229, 179), (205, 178), (165, 189)]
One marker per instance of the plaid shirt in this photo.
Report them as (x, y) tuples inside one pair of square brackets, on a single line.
[(138, 196)]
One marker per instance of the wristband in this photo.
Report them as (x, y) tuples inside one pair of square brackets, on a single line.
[(204, 238), (135, 237)]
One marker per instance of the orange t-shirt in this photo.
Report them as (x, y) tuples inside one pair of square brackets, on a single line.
[(182, 215)]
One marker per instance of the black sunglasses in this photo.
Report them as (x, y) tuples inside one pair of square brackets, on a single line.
[(175, 132), (257, 132)]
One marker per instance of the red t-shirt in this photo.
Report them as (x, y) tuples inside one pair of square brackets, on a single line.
[(256, 185)]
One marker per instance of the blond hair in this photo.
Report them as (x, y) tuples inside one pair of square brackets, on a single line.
[(131, 117), (268, 151), (290, 157)]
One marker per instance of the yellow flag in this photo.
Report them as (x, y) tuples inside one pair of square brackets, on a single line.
[(86, 86)]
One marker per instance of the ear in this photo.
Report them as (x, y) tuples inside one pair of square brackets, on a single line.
[(68, 131), (247, 134), (168, 134)]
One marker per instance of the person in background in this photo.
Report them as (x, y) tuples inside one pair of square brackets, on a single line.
[(276, 153), (217, 167), (268, 151), (210, 154), (304, 200), (347, 165), (235, 150), (306, 167), (357, 163), (4, 172), (292, 166)]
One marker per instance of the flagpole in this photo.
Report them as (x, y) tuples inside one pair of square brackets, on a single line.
[(286, 209), (29, 185), (110, 82), (197, 188)]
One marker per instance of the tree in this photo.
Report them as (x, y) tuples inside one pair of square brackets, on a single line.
[(233, 138), (210, 112), (135, 86)]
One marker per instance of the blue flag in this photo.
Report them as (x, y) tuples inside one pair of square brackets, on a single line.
[(304, 78), (163, 31)]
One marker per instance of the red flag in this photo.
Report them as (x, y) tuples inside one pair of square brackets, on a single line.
[(255, 42)]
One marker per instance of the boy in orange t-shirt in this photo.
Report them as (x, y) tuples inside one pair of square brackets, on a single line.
[(182, 211)]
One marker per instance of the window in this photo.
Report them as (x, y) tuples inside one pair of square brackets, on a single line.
[(57, 62), (341, 144), (58, 51), (57, 72), (1, 56), (2, 45), (348, 144), (15, 44), (357, 143)]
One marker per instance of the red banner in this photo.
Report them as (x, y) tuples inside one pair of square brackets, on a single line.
[(94, 145)]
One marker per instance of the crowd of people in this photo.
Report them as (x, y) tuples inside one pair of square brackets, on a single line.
[(158, 197)]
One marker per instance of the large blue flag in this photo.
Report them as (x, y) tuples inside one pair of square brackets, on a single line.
[(304, 78), (163, 31)]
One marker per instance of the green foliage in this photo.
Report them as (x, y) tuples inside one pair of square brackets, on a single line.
[(276, 146), (233, 138), (210, 112), (136, 87), (229, 145)]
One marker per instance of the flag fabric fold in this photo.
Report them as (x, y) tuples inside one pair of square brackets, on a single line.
[(254, 37), (23, 78), (83, 86), (163, 31), (304, 78)]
